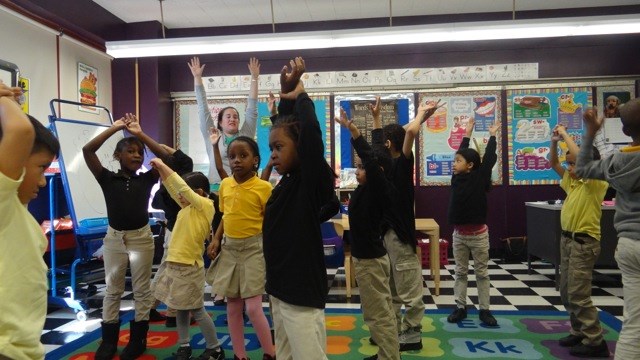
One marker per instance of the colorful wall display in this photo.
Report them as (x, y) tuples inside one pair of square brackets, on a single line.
[(532, 114), (442, 134), (395, 108)]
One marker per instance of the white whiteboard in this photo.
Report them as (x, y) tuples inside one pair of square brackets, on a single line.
[(84, 195)]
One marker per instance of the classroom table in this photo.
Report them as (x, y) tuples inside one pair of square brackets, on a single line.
[(424, 225)]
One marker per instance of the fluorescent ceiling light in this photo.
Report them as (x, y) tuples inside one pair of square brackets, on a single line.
[(468, 31)]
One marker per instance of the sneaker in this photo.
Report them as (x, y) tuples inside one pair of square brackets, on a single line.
[(374, 357), (457, 315), (411, 339), (155, 316), (372, 342), (212, 354), (570, 340), (487, 318), (590, 351), (183, 353), (268, 357)]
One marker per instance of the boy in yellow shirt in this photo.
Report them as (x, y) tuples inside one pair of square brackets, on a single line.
[(579, 250)]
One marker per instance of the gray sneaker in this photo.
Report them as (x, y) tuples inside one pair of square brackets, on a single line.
[(410, 339)]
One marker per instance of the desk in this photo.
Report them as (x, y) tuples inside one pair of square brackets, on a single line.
[(543, 235), (427, 226)]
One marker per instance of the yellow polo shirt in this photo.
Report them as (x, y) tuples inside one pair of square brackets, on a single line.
[(23, 276), (243, 206), (581, 210), (193, 224)]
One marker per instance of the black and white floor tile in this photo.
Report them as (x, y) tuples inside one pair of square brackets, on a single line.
[(513, 287)]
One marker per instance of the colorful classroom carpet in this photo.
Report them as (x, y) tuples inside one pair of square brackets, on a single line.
[(520, 335)]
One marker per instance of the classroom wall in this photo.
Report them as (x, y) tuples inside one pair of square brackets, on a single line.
[(49, 61)]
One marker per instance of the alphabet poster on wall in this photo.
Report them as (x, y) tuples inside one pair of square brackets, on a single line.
[(532, 114), (395, 108), (442, 134)]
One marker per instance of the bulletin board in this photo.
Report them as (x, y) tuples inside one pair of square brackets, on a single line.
[(531, 115), (442, 133), (191, 141), (395, 108)]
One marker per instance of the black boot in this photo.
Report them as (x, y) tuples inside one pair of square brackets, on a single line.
[(109, 346), (137, 340)]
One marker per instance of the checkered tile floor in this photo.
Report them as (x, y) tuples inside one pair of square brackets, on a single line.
[(512, 288)]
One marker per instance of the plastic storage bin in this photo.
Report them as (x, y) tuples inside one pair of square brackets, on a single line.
[(444, 252)]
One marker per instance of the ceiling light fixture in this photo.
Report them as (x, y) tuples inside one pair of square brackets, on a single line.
[(468, 31)]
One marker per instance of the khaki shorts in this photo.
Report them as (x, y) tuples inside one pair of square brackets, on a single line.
[(239, 272), (181, 286)]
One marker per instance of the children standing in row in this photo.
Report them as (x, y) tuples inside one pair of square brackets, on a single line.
[(23, 304), (239, 272), (293, 249), (579, 250), (406, 270), (129, 241), (622, 171), (181, 284), (370, 201), (470, 183)]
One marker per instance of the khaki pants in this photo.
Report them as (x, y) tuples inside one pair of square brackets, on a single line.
[(628, 259), (372, 276), (576, 272), (478, 246), (122, 248), (300, 332), (406, 282)]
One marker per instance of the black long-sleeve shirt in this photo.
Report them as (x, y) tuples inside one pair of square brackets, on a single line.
[(182, 164), (367, 207), (293, 249), (468, 201), (401, 176)]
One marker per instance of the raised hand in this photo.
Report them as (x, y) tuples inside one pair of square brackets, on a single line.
[(430, 107), (254, 68), (271, 104), (214, 135), (12, 92), (289, 77), (375, 107), (344, 120), (493, 129), (592, 121), (133, 125), (196, 69), (120, 123), (470, 124), (555, 135), (156, 163)]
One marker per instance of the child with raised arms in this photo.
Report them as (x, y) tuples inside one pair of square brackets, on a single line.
[(293, 248), (181, 284), (23, 289), (470, 183), (129, 241), (239, 272)]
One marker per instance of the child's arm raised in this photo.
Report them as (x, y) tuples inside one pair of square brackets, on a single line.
[(553, 152), (89, 150), (214, 137), (586, 167), (467, 137), (413, 128), (17, 134), (377, 135), (490, 157), (345, 122)]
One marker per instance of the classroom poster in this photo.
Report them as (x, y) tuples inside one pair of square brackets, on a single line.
[(532, 114), (323, 109), (24, 100), (442, 133), (395, 108), (609, 99), (88, 88)]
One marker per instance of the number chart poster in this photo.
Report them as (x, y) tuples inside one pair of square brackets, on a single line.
[(442, 133), (394, 108), (532, 114)]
